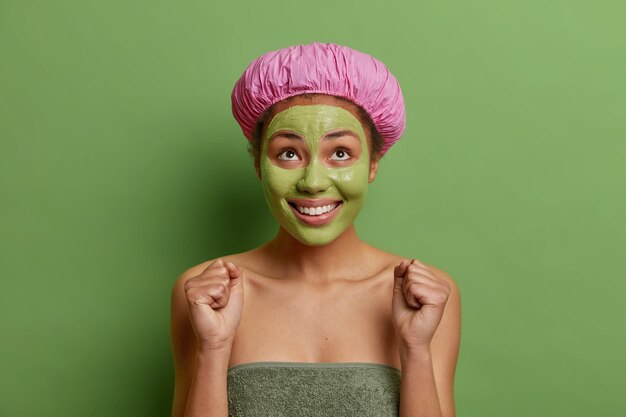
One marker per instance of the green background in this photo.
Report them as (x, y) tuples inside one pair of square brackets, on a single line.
[(121, 166)]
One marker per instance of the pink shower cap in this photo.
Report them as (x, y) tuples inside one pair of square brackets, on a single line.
[(323, 68)]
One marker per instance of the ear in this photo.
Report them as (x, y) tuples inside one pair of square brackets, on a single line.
[(373, 169)]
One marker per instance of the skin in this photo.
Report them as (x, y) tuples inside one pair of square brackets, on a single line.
[(343, 301), (301, 160)]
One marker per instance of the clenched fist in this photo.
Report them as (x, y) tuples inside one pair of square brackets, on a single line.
[(419, 300), (215, 302)]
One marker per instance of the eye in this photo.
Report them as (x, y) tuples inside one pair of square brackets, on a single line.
[(340, 155), (289, 155)]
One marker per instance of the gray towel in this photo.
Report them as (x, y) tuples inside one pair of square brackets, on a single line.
[(303, 389)]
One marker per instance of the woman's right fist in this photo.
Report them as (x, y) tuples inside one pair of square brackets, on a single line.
[(215, 302)]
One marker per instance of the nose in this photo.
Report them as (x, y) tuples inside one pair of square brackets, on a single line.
[(314, 179)]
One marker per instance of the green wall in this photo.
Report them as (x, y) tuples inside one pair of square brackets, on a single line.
[(121, 166)]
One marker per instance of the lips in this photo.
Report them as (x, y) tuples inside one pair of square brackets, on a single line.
[(315, 212)]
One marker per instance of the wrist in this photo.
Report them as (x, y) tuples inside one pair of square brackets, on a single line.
[(214, 349), (415, 352), (212, 363), (213, 358)]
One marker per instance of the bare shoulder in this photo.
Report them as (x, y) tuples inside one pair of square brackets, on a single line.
[(179, 320), (194, 271), (453, 305), (393, 259), (238, 259)]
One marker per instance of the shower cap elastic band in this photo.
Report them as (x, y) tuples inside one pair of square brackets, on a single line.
[(323, 68)]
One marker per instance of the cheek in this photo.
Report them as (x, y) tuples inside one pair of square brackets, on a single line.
[(279, 182), (352, 181)]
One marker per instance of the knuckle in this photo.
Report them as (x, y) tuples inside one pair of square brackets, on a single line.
[(193, 294), (189, 283), (218, 290), (222, 270), (412, 278)]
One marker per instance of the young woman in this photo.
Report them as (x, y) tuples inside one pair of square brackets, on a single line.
[(316, 322)]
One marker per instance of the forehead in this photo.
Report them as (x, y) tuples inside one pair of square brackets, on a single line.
[(301, 100), (313, 99), (314, 120)]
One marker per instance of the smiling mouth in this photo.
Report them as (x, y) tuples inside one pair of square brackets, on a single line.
[(315, 212)]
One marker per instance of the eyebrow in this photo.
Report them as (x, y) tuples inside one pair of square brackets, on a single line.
[(339, 134), (329, 136), (288, 135)]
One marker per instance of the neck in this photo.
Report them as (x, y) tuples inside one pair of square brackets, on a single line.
[(338, 259)]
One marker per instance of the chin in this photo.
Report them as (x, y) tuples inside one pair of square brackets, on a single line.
[(314, 239)]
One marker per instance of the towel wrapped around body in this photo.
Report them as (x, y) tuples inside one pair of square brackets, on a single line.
[(303, 389)]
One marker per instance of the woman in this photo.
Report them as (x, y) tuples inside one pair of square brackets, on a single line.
[(316, 321)]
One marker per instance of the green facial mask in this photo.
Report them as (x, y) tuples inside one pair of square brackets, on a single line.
[(347, 183)]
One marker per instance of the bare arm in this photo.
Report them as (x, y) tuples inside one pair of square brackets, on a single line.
[(208, 396), (200, 374), (427, 388), (418, 391)]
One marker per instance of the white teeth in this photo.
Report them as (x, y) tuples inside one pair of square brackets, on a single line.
[(316, 211)]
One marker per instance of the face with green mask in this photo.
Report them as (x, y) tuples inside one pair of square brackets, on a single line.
[(315, 171)]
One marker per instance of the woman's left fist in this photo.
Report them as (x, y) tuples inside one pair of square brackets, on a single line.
[(419, 299)]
